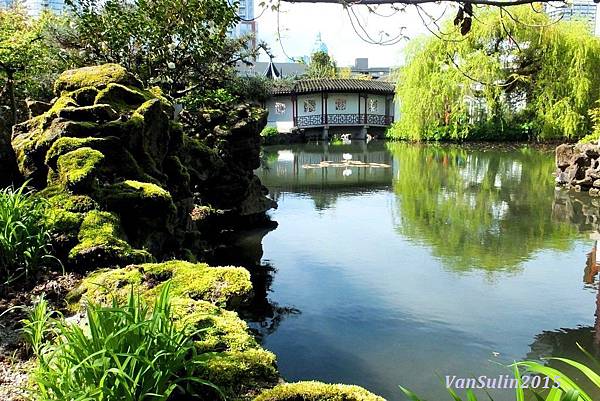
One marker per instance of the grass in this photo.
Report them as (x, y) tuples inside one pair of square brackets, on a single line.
[(127, 352), (25, 243), (567, 391)]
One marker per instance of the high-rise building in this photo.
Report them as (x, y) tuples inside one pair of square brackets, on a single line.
[(247, 25), (35, 7), (585, 10)]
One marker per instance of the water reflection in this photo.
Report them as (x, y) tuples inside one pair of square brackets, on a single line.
[(448, 260), (476, 209)]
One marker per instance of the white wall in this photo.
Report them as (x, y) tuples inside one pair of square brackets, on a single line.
[(283, 122), (351, 103)]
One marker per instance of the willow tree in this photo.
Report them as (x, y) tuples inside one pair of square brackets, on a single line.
[(514, 76)]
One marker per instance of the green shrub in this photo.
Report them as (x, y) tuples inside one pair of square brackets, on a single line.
[(125, 352), (269, 132), (25, 244)]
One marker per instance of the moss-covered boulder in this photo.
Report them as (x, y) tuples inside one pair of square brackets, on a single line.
[(107, 137), (199, 296), (99, 76), (224, 286), (316, 391), (77, 169), (101, 243)]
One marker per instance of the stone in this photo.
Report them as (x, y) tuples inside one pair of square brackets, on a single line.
[(590, 150), (36, 107), (596, 183), (594, 192), (563, 155), (97, 76), (98, 113)]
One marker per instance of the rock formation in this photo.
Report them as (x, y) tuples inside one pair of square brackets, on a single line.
[(578, 167), (124, 179)]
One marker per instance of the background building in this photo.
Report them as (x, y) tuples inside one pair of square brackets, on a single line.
[(247, 25), (35, 7), (585, 10)]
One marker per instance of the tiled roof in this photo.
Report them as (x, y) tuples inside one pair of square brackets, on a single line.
[(336, 85)]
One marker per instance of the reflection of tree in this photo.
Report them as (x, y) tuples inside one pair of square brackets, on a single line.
[(245, 249), (476, 209)]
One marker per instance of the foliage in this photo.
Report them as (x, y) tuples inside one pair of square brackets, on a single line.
[(595, 135), (505, 80), (321, 66), (269, 132), (24, 242), (175, 45), (29, 58), (124, 352), (569, 389)]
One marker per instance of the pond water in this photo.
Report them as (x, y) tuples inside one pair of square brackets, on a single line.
[(452, 261)]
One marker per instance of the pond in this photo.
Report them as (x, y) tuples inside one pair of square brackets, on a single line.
[(451, 261)]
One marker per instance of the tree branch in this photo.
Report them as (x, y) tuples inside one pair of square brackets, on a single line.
[(498, 3)]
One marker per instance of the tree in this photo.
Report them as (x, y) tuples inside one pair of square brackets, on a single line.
[(28, 58), (177, 45), (508, 78), (321, 66)]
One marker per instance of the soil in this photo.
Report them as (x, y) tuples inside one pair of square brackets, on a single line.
[(15, 355)]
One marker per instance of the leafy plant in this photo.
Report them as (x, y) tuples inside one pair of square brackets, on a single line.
[(25, 243), (269, 132), (125, 352)]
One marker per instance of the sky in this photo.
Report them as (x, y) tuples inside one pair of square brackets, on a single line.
[(301, 22)]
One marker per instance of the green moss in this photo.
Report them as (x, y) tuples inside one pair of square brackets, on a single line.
[(121, 97), (59, 104), (101, 243), (68, 144), (59, 199), (63, 222), (219, 285), (241, 372), (316, 391), (97, 76), (77, 169), (149, 200)]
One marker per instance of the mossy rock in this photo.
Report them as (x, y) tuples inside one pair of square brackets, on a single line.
[(241, 372), (316, 391), (102, 244), (225, 286), (63, 222), (78, 168), (59, 199), (96, 76), (121, 97), (96, 113)]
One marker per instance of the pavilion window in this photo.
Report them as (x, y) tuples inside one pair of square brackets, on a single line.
[(372, 105), (310, 105), (340, 104), (280, 108)]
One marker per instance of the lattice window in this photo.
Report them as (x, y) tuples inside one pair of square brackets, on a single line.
[(340, 104), (372, 105), (310, 106), (279, 108)]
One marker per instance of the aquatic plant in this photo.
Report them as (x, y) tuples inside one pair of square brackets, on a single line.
[(124, 352), (24, 243), (566, 389)]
